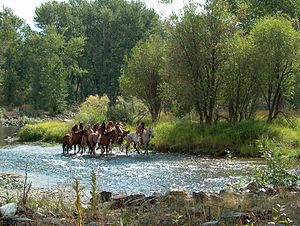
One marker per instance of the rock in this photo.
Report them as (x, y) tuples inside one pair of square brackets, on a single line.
[(232, 215), (254, 187), (118, 201), (105, 196), (9, 210), (153, 199), (261, 214), (211, 223), (136, 200), (179, 193), (271, 191), (200, 196)]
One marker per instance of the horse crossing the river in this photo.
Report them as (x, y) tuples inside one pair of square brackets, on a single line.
[(100, 138)]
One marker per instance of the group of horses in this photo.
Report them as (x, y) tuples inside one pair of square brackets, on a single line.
[(94, 139)]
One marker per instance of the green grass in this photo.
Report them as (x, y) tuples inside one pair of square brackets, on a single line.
[(244, 139), (50, 131)]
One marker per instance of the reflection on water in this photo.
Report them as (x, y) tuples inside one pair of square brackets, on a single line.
[(123, 174)]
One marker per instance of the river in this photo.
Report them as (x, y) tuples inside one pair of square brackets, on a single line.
[(158, 172)]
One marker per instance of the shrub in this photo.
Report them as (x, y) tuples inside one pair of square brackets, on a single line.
[(93, 110)]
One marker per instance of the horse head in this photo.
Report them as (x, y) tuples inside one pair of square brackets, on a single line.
[(150, 132)]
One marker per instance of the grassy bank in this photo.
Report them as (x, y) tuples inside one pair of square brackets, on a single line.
[(244, 139), (50, 131)]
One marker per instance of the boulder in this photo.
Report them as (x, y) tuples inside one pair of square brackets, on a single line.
[(105, 196), (200, 196), (9, 210)]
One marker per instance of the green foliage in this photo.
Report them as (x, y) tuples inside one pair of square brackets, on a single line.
[(93, 110), (276, 173), (78, 189), (199, 45), (93, 192), (46, 131), (276, 54), (141, 76)]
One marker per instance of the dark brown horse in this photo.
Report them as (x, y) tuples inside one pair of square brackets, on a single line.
[(106, 139), (120, 139), (77, 138)]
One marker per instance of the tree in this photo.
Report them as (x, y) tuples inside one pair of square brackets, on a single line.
[(48, 73), (276, 46), (142, 73), (239, 88), (199, 47), (13, 32)]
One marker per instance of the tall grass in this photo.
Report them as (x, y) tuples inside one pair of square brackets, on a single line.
[(242, 139), (51, 131)]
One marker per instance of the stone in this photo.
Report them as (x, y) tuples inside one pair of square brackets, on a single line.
[(178, 193), (200, 196), (211, 223), (244, 218), (9, 210), (105, 196), (254, 187)]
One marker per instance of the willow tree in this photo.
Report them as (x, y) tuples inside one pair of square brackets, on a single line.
[(199, 47), (276, 46), (142, 74), (239, 89)]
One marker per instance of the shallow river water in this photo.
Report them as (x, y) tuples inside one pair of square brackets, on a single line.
[(123, 174)]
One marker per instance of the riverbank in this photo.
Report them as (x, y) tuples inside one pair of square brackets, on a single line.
[(57, 206), (244, 139)]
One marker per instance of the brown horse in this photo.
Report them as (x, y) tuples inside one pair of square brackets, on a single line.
[(77, 138), (106, 139), (92, 141), (120, 139), (67, 143)]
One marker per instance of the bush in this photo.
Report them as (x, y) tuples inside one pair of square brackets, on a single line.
[(93, 110)]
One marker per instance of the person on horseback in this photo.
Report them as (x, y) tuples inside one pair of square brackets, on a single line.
[(139, 132), (109, 126), (118, 128), (75, 128), (81, 127)]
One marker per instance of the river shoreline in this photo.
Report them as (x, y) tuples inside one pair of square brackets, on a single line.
[(176, 207)]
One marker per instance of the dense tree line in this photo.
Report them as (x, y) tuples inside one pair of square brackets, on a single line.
[(77, 51), (226, 59), (223, 58)]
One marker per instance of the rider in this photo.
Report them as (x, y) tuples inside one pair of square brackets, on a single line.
[(109, 126), (118, 128), (81, 127), (139, 132)]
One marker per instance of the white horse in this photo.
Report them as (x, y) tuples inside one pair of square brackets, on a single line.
[(133, 138)]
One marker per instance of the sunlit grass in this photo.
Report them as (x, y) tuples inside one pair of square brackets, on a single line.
[(51, 131)]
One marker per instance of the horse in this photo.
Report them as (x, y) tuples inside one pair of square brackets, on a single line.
[(133, 138), (120, 139), (77, 138), (106, 139), (67, 143), (92, 141)]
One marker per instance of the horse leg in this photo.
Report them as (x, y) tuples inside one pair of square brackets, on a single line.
[(136, 147), (146, 151)]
